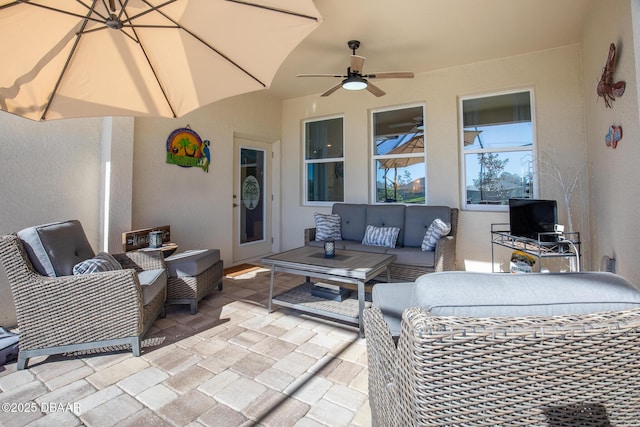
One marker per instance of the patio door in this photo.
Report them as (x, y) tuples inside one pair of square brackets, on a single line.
[(252, 200)]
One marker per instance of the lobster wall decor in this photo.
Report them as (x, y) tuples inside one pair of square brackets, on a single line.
[(606, 87)]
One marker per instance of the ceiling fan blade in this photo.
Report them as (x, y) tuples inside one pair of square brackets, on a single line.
[(357, 62), (333, 89), (375, 89), (390, 75), (322, 75)]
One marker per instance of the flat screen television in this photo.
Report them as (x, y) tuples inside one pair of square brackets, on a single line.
[(529, 217)]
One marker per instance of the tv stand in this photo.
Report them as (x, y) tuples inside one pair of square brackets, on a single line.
[(546, 246)]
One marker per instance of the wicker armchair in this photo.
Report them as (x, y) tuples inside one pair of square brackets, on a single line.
[(569, 370), (75, 313)]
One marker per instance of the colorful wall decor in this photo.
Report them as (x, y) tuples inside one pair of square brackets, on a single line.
[(185, 148), (613, 136)]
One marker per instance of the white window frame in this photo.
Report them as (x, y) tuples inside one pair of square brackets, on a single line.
[(374, 158), (306, 162), (463, 152)]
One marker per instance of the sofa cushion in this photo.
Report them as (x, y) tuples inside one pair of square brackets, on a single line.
[(152, 283), (357, 246), (436, 230), (418, 219), (459, 293), (98, 264), (381, 236), (387, 216), (56, 247), (328, 226), (413, 256), (352, 220), (191, 263)]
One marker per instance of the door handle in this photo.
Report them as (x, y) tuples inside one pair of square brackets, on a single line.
[(235, 205)]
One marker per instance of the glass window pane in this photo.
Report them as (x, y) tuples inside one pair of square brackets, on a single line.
[(401, 182), (325, 182), (498, 136), (252, 208), (494, 178), (394, 127), (324, 139)]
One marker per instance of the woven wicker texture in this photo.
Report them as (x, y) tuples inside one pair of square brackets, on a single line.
[(557, 371), (197, 286), (445, 255), (67, 310)]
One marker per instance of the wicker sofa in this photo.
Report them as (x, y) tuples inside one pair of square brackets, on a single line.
[(413, 222), (500, 349), (59, 312)]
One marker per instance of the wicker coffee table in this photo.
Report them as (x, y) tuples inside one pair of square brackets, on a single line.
[(352, 267)]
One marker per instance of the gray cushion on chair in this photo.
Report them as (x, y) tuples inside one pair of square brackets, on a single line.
[(352, 220), (152, 282), (55, 248), (459, 293), (392, 299)]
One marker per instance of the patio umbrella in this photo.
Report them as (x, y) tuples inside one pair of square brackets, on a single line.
[(85, 58), (414, 145)]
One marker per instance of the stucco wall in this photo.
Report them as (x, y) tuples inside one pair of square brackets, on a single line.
[(613, 174), (50, 172), (198, 205), (556, 77)]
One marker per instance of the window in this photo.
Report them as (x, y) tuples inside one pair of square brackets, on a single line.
[(497, 149), (324, 161), (399, 167)]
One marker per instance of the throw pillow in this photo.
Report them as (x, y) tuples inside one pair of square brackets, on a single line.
[(101, 262), (381, 236), (328, 226), (436, 230)]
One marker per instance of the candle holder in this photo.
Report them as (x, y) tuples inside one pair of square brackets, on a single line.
[(329, 248), (155, 239)]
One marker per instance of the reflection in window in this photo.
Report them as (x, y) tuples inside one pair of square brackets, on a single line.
[(399, 155), (324, 160), (497, 145)]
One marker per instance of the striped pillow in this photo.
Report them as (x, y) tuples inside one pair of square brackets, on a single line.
[(328, 226), (381, 236), (436, 230), (101, 262)]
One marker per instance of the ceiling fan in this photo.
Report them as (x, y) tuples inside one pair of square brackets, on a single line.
[(355, 80)]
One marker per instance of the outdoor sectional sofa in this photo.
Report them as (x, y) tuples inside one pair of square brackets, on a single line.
[(413, 222), (463, 348)]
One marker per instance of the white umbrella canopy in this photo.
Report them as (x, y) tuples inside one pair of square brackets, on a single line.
[(158, 58)]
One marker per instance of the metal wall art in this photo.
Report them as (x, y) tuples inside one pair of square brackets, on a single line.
[(185, 148)]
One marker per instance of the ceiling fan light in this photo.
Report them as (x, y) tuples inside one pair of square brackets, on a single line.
[(354, 83)]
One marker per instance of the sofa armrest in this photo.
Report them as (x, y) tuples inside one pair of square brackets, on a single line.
[(97, 306), (141, 260), (382, 361), (309, 235), (445, 254)]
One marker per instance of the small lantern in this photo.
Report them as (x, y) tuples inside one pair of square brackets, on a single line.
[(155, 239), (329, 248)]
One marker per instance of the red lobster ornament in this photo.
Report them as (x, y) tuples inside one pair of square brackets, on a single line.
[(606, 87)]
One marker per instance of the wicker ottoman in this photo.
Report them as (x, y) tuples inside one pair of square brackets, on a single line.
[(192, 275)]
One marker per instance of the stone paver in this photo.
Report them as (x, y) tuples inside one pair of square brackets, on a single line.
[(232, 364)]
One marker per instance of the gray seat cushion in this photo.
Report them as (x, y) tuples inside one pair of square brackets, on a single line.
[(413, 256), (392, 299), (459, 293), (152, 283), (191, 263), (56, 247)]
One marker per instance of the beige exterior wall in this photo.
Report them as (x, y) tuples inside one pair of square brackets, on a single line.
[(613, 174), (556, 77), (198, 205)]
